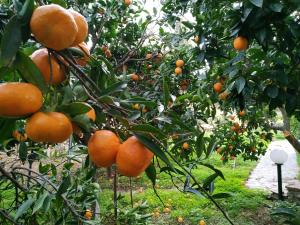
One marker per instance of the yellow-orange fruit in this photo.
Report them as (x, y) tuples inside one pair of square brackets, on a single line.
[(82, 27), (50, 127), (202, 222), (134, 77), (91, 114), (179, 63), (218, 87), (103, 147), (88, 214), (185, 145), (240, 43), (133, 157), (178, 71), (86, 54), (108, 54), (223, 96), (242, 113), (41, 60), (149, 56), (53, 26), (197, 39), (19, 99), (127, 2)]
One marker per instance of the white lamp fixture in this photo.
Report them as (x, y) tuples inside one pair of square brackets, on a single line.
[(278, 156)]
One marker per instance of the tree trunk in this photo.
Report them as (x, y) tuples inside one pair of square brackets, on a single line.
[(292, 140)]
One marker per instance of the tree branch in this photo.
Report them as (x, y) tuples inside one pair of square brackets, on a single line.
[(13, 180)]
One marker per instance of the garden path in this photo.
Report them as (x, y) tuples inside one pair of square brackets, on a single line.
[(264, 176)]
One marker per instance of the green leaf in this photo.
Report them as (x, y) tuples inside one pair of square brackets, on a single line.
[(24, 207), (60, 2), (153, 147), (139, 100), (65, 184), (219, 172), (26, 11), (6, 128), (47, 202), (23, 151), (11, 41), (174, 170), (39, 202), (211, 147), (75, 108), (83, 121), (276, 7), (194, 191), (258, 3), (222, 195), (29, 71), (151, 173), (272, 91), (147, 128), (240, 84), (117, 87), (209, 179)]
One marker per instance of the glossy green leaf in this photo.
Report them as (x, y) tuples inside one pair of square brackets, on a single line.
[(75, 108), (209, 179), (147, 128), (258, 3), (29, 71), (240, 84), (154, 148), (23, 151), (272, 91), (11, 41), (24, 207), (222, 195), (65, 184), (26, 11), (117, 87), (39, 202), (60, 2)]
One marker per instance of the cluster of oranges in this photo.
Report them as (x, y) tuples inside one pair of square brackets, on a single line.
[(106, 51), (131, 157), (179, 64), (55, 28)]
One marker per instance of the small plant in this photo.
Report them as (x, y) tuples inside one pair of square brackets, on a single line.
[(286, 213)]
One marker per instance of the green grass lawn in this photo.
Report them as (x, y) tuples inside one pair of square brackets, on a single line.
[(245, 207)]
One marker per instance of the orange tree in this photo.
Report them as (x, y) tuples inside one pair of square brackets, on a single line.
[(133, 94), (249, 51)]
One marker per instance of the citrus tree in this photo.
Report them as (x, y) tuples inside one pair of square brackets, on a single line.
[(126, 97)]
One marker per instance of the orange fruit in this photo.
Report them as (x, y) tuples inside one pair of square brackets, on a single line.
[(219, 150), (167, 210), (136, 106), (77, 130), (180, 219), (179, 63), (82, 27), (103, 147), (242, 113), (197, 39), (178, 71), (149, 56), (91, 114), (53, 26), (232, 117), (127, 2), (185, 145), (134, 77), (18, 136), (218, 87), (230, 147), (201, 222), (88, 214), (19, 99), (86, 54), (108, 54), (133, 157), (240, 43), (50, 127), (41, 60)]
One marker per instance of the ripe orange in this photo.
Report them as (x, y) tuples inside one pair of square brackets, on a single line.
[(232, 117), (240, 43), (136, 106), (185, 146), (134, 77), (133, 157), (82, 27), (41, 60), (53, 26), (201, 222), (180, 219), (88, 214), (91, 114), (242, 113), (19, 99), (219, 150), (218, 87), (178, 71), (197, 39), (179, 63), (108, 54), (167, 210), (86, 54), (18, 136), (103, 147), (104, 48), (127, 2), (50, 127)]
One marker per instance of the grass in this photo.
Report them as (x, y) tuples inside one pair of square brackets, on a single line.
[(244, 205)]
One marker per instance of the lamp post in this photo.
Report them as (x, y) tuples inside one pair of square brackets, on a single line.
[(279, 157)]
